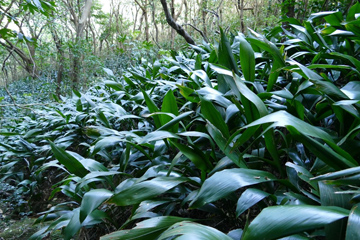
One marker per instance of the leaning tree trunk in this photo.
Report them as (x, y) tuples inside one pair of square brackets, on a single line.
[(178, 28)]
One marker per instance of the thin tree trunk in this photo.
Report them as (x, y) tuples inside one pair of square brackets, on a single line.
[(61, 60), (154, 21), (203, 15), (241, 7)]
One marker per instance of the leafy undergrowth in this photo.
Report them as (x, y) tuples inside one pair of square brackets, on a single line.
[(253, 138), (21, 229)]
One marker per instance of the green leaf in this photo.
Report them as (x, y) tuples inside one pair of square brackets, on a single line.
[(352, 231), (225, 55), (190, 230), (247, 60), (169, 106), (280, 221), (355, 9), (11, 133), (175, 120), (92, 200), (114, 85), (101, 116), (328, 196), (152, 108), (202, 74), (72, 164), (221, 141), (351, 59), (149, 229), (326, 154), (338, 174), (73, 226), (145, 190), (261, 42), (320, 14), (257, 104), (212, 115), (196, 156), (158, 135), (283, 119), (227, 181), (249, 198), (274, 74)]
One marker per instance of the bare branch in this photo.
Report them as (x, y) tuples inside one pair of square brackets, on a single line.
[(198, 30)]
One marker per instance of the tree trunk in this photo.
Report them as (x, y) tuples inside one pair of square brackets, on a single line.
[(241, 7), (203, 15), (146, 21), (288, 10), (144, 15), (178, 28), (61, 60), (154, 21), (80, 27)]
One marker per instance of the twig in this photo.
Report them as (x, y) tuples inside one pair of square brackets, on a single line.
[(198, 30)]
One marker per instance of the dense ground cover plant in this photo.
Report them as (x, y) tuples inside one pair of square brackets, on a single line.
[(252, 138)]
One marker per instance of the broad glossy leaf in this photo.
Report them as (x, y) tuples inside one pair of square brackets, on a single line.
[(235, 234), (92, 200), (189, 230), (354, 9), (72, 164), (195, 155), (169, 106), (352, 231), (175, 120), (338, 174), (351, 59), (268, 46), (73, 226), (213, 115), (274, 74), (149, 229), (326, 154), (145, 190), (280, 221), (157, 135), (107, 142), (214, 95), (247, 60), (225, 55), (227, 181), (257, 104), (249, 198), (352, 90), (202, 74), (308, 73), (12, 133), (114, 85), (328, 196), (152, 108), (320, 14), (283, 119), (221, 141)]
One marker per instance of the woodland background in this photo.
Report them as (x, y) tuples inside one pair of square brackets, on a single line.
[(204, 119)]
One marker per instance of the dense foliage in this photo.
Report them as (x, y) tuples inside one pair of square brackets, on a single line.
[(254, 138)]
